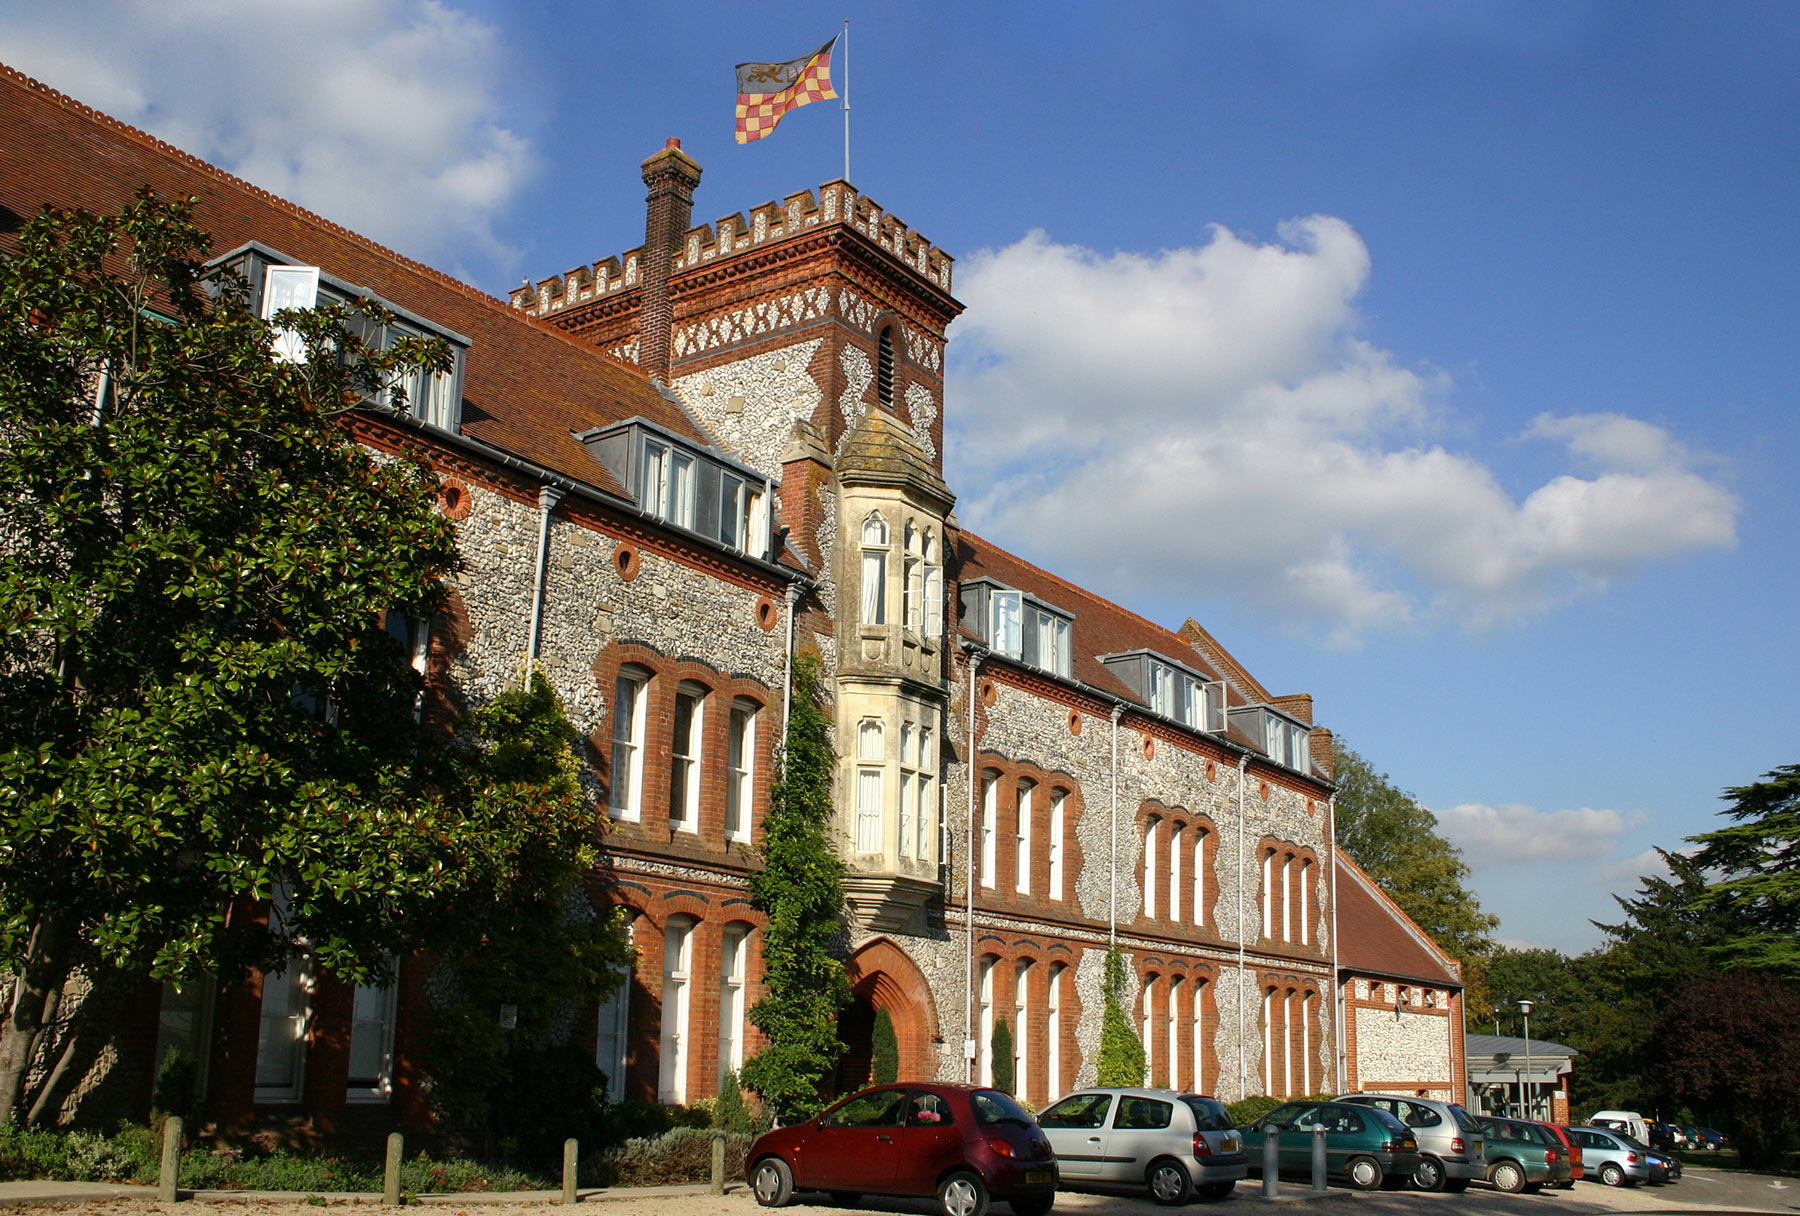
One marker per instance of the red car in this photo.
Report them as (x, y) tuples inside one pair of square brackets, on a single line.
[(960, 1143), (1576, 1171)]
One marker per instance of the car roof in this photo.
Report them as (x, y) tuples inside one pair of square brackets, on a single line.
[(1138, 1091)]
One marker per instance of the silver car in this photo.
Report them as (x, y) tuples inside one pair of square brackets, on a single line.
[(1450, 1141), (1172, 1144), (1611, 1156)]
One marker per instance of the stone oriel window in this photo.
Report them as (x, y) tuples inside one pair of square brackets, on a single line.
[(875, 544)]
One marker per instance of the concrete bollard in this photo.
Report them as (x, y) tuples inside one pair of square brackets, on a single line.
[(1318, 1160), (170, 1174), (718, 1163), (571, 1158), (1271, 1161), (390, 1175)]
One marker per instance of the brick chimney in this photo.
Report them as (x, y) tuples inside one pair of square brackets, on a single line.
[(671, 176)]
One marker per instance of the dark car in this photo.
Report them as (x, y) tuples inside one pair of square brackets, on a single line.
[(1364, 1145), (1523, 1155), (960, 1143), (1712, 1139)]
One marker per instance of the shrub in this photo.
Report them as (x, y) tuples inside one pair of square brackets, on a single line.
[(680, 1155), (1002, 1051), (1246, 1111), (885, 1064), (1121, 1060)]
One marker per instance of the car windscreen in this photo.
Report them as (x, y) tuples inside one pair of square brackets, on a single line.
[(1209, 1116), (992, 1106), (1464, 1119)]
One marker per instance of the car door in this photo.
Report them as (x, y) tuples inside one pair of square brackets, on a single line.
[(1076, 1129), (1140, 1131), (927, 1143), (1297, 1139), (853, 1147)]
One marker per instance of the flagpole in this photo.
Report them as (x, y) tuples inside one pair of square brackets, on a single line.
[(846, 99)]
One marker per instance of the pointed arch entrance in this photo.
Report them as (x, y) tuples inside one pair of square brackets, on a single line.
[(883, 976)]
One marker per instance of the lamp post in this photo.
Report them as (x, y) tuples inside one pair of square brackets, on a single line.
[(1524, 1090)]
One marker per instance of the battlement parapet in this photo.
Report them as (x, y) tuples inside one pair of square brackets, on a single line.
[(837, 203)]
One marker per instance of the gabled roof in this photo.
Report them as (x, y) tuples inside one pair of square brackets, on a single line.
[(1376, 938), (1101, 626), (528, 387)]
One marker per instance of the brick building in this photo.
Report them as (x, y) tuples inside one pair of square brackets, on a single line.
[(670, 470)]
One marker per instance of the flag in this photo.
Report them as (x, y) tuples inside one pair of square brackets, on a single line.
[(766, 91)]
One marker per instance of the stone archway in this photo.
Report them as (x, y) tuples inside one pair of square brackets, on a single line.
[(883, 976)]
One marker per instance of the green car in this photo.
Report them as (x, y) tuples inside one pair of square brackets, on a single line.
[(1522, 1155), (1364, 1145)]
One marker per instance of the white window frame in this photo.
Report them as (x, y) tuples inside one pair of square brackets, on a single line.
[(909, 777), (876, 541), (287, 1025), (1022, 839), (1287, 901), (677, 1004), (1006, 621), (1174, 1077), (1146, 1024), (934, 589), (871, 785), (302, 292), (1021, 1012), (740, 770), (984, 1044), (612, 1030), (1268, 893), (380, 1001), (1200, 835), (1053, 1034), (1150, 867), (685, 770), (1175, 834), (626, 796), (734, 953), (924, 790), (1199, 1000), (1305, 902), (990, 817), (1058, 802)]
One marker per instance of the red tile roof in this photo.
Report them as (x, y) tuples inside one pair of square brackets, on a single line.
[(527, 386), (1376, 938)]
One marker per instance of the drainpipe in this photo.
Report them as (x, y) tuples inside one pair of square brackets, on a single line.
[(1112, 894), (787, 700), (975, 657), (1337, 979), (548, 497), (1243, 1078)]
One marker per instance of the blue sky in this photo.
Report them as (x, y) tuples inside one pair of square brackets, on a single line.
[(1440, 359)]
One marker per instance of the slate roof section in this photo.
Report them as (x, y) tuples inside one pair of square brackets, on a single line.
[(528, 387), (1376, 938)]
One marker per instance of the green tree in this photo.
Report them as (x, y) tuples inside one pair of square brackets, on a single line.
[(1759, 860), (1725, 1045), (528, 938), (1001, 1050), (1387, 832), (201, 703), (1121, 1060), (885, 1064), (800, 889)]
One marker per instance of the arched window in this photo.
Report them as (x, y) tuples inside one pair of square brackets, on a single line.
[(871, 757), (740, 770), (1021, 1038), (1199, 910), (1173, 1076), (1150, 868), (874, 569), (1287, 898), (990, 816), (629, 710), (686, 734), (1199, 1035), (1268, 894), (884, 368), (1147, 1025), (734, 951), (1058, 799), (678, 964), (1305, 901), (612, 1041), (1022, 840), (984, 1057), (909, 777), (1175, 850), (1053, 1034), (925, 791)]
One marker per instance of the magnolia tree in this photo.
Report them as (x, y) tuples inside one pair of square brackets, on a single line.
[(200, 704)]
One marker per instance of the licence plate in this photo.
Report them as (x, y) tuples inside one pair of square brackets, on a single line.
[(1230, 1144), (1036, 1176)]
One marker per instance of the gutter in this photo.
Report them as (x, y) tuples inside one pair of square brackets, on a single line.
[(1243, 1077)]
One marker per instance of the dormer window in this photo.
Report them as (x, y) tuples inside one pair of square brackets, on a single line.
[(1168, 688), (1285, 740), (1021, 626), (685, 485)]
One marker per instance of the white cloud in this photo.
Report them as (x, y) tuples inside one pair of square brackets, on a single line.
[(1210, 417), (1492, 837), (1628, 875), (378, 114)]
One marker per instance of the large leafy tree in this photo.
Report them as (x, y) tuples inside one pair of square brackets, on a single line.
[(1758, 860), (800, 888), (1387, 832), (200, 704), (1725, 1045)]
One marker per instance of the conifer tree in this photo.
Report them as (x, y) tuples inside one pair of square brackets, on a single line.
[(1121, 1059), (1002, 1049), (886, 1050)]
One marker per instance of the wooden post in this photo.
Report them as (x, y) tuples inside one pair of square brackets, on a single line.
[(170, 1173), (571, 1156), (718, 1163), (390, 1176)]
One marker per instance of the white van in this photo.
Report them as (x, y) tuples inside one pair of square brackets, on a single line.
[(1627, 1121)]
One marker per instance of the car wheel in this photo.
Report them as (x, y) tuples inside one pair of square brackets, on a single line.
[(773, 1182), (1429, 1176), (1365, 1173), (1507, 1176), (1455, 1186), (1032, 1205), (1169, 1182), (1612, 1175), (1212, 1192), (962, 1194), (846, 1199)]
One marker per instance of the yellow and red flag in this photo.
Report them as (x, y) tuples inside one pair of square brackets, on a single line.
[(767, 91)]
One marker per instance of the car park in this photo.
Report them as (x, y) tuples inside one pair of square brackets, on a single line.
[(1712, 1139), (1173, 1145), (1522, 1155), (1450, 1142), (1627, 1121), (961, 1143), (1611, 1156), (1364, 1145)]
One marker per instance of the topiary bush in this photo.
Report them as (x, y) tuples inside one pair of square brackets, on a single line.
[(885, 1063), (1002, 1050)]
